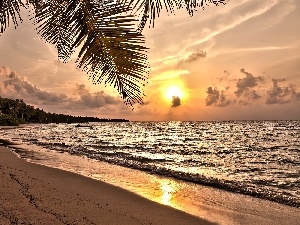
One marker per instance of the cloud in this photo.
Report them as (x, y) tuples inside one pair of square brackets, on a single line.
[(281, 95), (245, 84), (249, 96), (161, 75), (176, 101), (216, 97), (226, 72), (94, 100), (232, 17), (4, 70), (193, 57), (225, 77), (14, 86), (245, 88)]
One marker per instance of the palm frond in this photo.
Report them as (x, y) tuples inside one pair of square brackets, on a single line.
[(112, 50), (150, 9), (53, 19), (36, 3), (9, 10)]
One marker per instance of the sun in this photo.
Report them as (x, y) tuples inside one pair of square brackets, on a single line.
[(174, 91)]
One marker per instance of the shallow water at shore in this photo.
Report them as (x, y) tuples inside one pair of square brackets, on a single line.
[(259, 158)]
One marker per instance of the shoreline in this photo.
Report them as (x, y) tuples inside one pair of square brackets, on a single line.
[(179, 176), (218, 206), (288, 198), (36, 194)]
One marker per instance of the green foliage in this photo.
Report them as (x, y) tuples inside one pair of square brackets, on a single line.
[(15, 112), (7, 120), (21, 121)]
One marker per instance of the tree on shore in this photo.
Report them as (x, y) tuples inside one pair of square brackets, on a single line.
[(107, 32), (16, 111)]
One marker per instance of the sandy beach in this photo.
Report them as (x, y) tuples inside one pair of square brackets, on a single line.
[(36, 194)]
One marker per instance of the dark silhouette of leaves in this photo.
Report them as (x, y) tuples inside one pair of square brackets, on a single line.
[(9, 9), (106, 32), (150, 9)]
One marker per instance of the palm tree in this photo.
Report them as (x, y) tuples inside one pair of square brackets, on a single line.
[(108, 33)]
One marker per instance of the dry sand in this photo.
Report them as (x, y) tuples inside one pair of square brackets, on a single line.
[(35, 194)]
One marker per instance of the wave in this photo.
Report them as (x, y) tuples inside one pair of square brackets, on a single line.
[(259, 158), (258, 188)]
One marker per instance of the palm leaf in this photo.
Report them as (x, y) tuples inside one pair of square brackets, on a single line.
[(111, 50), (53, 19), (150, 9), (9, 10)]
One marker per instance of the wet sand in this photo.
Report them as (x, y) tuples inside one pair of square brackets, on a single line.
[(36, 194)]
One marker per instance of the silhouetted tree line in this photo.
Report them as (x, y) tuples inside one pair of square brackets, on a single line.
[(15, 112)]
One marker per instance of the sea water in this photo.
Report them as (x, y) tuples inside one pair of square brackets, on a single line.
[(258, 158)]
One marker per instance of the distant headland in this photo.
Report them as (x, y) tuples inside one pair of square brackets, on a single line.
[(15, 111)]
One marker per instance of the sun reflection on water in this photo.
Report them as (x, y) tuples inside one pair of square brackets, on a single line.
[(168, 192)]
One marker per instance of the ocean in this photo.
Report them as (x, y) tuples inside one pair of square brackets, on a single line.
[(257, 158)]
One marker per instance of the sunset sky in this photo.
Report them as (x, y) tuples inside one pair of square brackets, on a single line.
[(238, 61)]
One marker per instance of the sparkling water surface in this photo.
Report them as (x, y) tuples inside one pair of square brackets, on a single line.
[(259, 158)]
